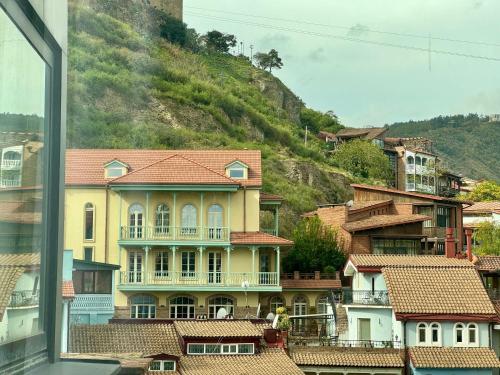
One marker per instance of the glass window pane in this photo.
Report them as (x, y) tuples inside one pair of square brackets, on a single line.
[(23, 100)]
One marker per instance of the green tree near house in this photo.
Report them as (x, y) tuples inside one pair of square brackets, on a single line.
[(488, 236), (316, 121), (215, 41), (268, 60), (363, 159), (484, 192), (315, 248)]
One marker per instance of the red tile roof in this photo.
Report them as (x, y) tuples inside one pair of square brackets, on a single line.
[(489, 263), (270, 197), (258, 238), (483, 208), (86, 167), (379, 221), (175, 170), (310, 284), (407, 193), (67, 289)]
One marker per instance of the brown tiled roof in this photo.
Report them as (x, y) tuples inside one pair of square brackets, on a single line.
[(270, 197), (175, 170), (127, 360), (444, 290), (375, 260), (8, 281), (149, 339), (217, 328), (362, 205), (483, 208), (68, 291), (22, 259), (86, 167), (407, 193), (269, 361), (488, 263), (311, 284), (459, 358), (258, 238), (367, 133), (346, 357), (379, 221)]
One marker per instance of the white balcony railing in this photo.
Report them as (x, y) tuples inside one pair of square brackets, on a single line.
[(10, 183), (199, 278), (92, 302), (164, 233), (11, 164)]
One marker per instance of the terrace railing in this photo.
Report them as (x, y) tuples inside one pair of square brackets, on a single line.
[(24, 298), (332, 341), (365, 297), (166, 233)]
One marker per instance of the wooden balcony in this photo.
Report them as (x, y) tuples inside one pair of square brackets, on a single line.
[(165, 234)]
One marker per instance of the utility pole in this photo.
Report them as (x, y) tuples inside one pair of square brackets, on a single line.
[(242, 52), (305, 137), (251, 53)]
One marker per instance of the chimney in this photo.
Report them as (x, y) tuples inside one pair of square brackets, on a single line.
[(450, 244), (468, 235)]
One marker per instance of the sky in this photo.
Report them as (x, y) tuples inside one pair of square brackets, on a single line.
[(367, 83)]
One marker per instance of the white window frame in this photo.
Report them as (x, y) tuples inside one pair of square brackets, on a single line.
[(214, 307), (88, 207), (464, 335), (111, 170), (276, 302), (134, 311), (476, 329), (425, 327), (237, 166), (439, 333), (162, 365), (190, 308), (221, 349), (161, 259)]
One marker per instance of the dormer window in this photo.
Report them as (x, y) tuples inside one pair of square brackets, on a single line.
[(115, 169), (237, 170)]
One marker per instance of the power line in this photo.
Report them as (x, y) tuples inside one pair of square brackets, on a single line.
[(349, 28), (346, 38)]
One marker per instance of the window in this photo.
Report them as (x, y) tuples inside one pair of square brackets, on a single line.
[(322, 305), (163, 365), (410, 160), (143, 306), (92, 282), (136, 213), (30, 121), (396, 246), (459, 334), (162, 221), (189, 220), (424, 162), (472, 334), (216, 348), (182, 307), (89, 222), (88, 254), (188, 258), (421, 334), (443, 217), (435, 334), (237, 170), (161, 264), (215, 222), (275, 302), (418, 160), (114, 172), (217, 303)]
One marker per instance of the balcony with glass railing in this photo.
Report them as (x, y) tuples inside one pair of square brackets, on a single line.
[(166, 280), (164, 233), (365, 297)]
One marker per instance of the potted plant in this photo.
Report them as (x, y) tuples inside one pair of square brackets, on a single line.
[(283, 323)]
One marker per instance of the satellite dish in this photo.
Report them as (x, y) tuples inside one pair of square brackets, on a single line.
[(245, 284), (349, 203), (257, 314), (275, 321), (270, 316), (221, 313)]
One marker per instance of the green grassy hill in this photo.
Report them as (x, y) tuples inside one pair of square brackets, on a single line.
[(130, 89), (468, 144)]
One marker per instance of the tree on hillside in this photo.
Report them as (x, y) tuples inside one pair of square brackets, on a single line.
[(316, 121), (488, 236), (268, 60), (363, 159), (484, 191), (216, 41), (315, 248)]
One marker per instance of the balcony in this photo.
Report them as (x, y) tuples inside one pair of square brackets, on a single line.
[(366, 297), (173, 280), (333, 342), (10, 183), (11, 164), (437, 232), (92, 302), (156, 233), (24, 298)]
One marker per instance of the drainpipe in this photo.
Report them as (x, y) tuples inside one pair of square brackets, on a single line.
[(244, 208), (106, 225), (468, 235)]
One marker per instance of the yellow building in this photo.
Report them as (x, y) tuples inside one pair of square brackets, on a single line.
[(183, 226)]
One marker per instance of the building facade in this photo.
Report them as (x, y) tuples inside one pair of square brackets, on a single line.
[(182, 225)]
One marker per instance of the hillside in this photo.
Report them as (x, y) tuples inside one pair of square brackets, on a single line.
[(130, 89), (468, 144)]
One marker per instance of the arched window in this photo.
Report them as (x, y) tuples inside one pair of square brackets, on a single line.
[(162, 220), (459, 334), (472, 334), (435, 334), (410, 160), (216, 303), (275, 302), (182, 307), (143, 306), (215, 222), (421, 334), (188, 219), (89, 222), (418, 160), (322, 305), (135, 214)]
